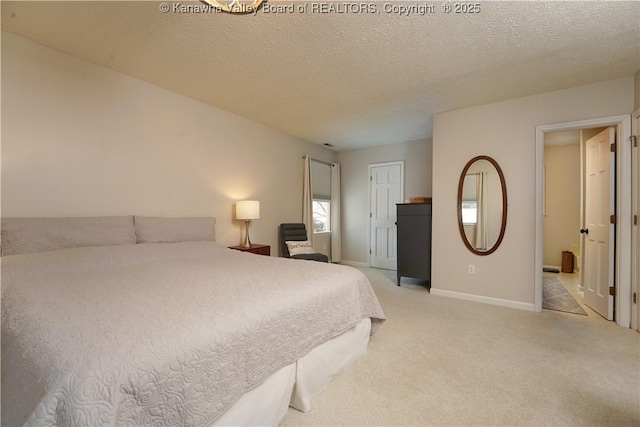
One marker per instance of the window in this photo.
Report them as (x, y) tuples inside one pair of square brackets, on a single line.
[(321, 216), (469, 212), (321, 180)]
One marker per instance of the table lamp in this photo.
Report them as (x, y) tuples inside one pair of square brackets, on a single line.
[(247, 210)]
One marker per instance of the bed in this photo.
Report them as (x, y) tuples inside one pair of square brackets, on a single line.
[(140, 321)]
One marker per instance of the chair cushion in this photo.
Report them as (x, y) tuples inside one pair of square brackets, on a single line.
[(291, 232), (312, 257), (297, 233)]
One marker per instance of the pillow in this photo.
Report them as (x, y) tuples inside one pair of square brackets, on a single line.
[(171, 230), (300, 247), (29, 235)]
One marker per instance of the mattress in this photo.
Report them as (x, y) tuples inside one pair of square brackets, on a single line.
[(161, 333)]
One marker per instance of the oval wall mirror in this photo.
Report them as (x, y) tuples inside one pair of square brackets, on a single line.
[(482, 205)]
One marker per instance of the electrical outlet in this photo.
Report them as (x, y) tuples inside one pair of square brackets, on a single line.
[(472, 269)]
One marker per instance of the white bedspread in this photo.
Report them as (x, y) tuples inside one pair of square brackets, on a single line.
[(162, 334)]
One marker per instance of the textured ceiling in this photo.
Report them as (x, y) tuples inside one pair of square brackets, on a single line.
[(349, 79)]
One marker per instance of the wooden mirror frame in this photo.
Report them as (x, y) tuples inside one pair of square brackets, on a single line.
[(503, 225)]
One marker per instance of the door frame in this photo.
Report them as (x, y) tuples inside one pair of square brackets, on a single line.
[(623, 232), (635, 247), (371, 166)]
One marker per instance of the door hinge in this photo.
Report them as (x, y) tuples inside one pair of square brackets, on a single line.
[(613, 219), (612, 291), (635, 220), (370, 177), (634, 140), (635, 296), (370, 252), (613, 147), (370, 214)]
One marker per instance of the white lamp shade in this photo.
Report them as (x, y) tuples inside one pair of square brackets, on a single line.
[(248, 209)]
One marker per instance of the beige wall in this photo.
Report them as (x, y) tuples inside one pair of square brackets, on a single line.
[(79, 139), (562, 201), (586, 134), (355, 188), (506, 132)]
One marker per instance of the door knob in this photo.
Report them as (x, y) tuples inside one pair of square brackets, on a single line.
[(584, 231)]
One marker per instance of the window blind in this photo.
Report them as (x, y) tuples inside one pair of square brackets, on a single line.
[(321, 180)]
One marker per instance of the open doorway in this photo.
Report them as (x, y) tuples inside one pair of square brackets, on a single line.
[(621, 276), (565, 266)]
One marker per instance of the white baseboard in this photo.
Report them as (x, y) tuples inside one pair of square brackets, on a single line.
[(354, 263), (485, 300)]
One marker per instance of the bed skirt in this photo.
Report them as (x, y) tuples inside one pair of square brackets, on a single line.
[(295, 384)]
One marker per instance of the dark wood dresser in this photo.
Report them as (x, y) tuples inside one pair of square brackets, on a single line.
[(414, 240)]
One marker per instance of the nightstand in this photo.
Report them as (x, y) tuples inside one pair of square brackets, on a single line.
[(254, 249)]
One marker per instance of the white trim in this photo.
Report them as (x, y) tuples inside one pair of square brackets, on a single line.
[(583, 183), (539, 221), (635, 249), (624, 228), (623, 210), (354, 263), (485, 300), (373, 165)]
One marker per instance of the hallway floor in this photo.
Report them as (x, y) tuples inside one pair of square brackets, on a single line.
[(571, 281)]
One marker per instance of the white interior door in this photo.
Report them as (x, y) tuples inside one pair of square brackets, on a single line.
[(599, 205), (386, 189)]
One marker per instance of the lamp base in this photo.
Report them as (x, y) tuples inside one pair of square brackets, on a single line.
[(247, 239)]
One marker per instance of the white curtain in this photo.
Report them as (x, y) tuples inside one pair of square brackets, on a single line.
[(307, 199), (481, 197), (336, 233)]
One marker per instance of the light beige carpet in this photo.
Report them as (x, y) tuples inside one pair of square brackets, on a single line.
[(441, 361)]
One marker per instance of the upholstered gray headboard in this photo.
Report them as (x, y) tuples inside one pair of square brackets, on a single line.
[(170, 230), (28, 235)]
